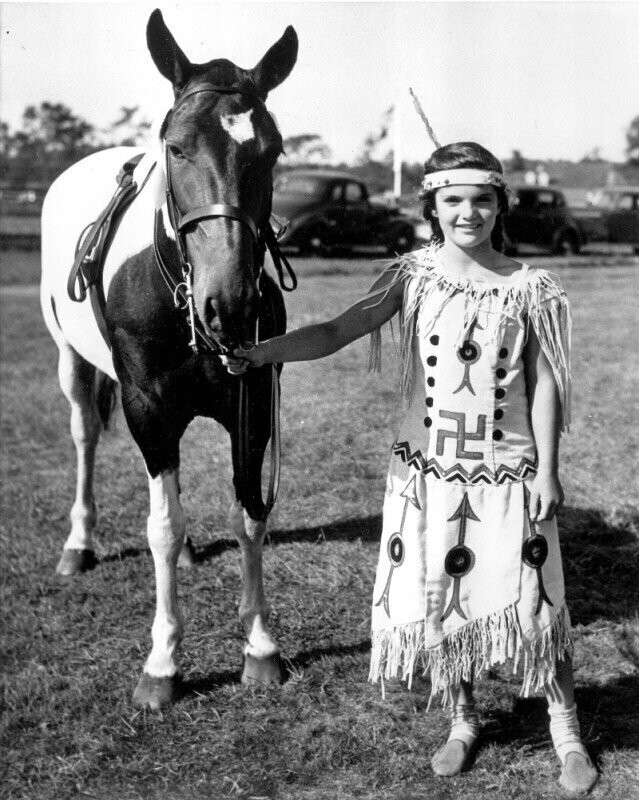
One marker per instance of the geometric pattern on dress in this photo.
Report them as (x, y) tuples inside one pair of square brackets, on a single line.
[(534, 553), (458, 474), (460, 435), (460, 559), (469, 353), (395, 545)]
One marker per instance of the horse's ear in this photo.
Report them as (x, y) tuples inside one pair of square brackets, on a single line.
[(277, 63), (166, 53)]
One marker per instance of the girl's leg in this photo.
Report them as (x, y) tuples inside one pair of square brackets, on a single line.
[(578, 774), (454, 755)]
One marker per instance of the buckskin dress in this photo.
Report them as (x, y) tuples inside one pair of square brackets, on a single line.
[(464, 580)]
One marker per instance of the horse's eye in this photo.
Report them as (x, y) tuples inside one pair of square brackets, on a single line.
[(175, 151)]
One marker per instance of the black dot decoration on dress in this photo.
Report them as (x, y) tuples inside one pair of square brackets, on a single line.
[(434, 339), (427, 422), (499, 413), (500, 393), (431, 361), (497, 435), (396, 549), (534, 551), (429, 402), (501, 373), (459, 561), (430, 381), (503, 352)]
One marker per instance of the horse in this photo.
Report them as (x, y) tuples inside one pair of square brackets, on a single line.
[(189, 249)]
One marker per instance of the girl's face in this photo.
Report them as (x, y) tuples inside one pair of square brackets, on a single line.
[(467, 214)]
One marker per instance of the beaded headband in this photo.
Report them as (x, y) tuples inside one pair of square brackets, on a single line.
[(458, 177)]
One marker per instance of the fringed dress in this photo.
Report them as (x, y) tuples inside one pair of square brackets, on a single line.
[(464, 580)]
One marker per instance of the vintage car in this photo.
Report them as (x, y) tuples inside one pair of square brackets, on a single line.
[(540, 217), (612, 216), (328, 211)]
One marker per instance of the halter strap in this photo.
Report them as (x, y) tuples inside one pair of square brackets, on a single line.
[(218, 210)]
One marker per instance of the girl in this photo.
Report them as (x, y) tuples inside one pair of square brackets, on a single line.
[(470, 571)]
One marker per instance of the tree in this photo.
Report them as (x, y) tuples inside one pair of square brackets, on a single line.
[(129, 129), (52, 138), (632, 137), (305, 148), (517, 163)]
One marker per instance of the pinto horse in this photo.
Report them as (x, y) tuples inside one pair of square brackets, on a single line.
[(217, 148)]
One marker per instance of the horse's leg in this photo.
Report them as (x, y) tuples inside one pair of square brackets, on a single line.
[(77, 379), (160, 681), (262, 661)]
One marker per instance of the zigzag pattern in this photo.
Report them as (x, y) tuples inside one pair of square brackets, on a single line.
[(457, 473)]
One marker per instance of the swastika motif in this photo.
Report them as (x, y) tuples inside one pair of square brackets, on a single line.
[(460, 435)]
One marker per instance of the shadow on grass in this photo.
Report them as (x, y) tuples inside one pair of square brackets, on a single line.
[(601, 559), (605, 714), (215, 680)]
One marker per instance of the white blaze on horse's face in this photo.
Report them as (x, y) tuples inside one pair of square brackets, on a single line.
[(239, 126)]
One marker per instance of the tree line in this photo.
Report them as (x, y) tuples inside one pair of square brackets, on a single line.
[(52, 137)]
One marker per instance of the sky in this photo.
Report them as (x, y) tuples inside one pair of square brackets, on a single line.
[(551, 79)]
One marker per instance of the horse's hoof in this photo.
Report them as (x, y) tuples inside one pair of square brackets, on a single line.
[(156, 693), (186, 559), (267, 671), (74, 561)]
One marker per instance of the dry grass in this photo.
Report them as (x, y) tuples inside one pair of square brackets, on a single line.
[(72, 650)]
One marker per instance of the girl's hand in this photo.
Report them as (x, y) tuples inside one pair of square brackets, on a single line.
[(546, 497), (250, 355)]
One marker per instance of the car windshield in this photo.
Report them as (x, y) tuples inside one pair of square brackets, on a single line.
[(298, 186)]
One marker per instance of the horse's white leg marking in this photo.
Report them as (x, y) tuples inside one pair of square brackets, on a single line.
[(85, 430), (254, 610), (239, 126), (165, 530)]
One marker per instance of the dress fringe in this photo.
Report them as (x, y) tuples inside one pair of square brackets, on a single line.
[(469, 651)]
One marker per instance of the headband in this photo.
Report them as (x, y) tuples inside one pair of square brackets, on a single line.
[(458, 177)]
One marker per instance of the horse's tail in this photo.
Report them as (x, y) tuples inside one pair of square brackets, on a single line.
[(106, 396)]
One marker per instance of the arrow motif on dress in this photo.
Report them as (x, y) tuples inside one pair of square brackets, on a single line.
[(469, 353), (534, 552), (395, 546), (460, 559)]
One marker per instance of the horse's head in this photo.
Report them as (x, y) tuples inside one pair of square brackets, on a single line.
[(221, 146)]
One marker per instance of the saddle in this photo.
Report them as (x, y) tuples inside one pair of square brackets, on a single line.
[(94, 242)]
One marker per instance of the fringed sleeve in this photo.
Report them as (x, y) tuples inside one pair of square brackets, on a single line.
[(400, 274), (549, 314)]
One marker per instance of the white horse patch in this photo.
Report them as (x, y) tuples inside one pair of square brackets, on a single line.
[(239, 126)]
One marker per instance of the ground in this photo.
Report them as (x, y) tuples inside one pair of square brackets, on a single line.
[(73, 649)]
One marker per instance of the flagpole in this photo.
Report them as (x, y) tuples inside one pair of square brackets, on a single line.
[(397, 148)]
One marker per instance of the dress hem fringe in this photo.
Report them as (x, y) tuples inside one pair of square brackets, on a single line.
[(469, 651)]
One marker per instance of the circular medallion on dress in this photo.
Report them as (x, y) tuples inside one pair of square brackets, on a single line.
[(469, 352), (459, 561), (396, 549), (534, 551)]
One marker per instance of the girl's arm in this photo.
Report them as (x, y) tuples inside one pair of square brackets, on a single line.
[(546, 494), (317, 341)]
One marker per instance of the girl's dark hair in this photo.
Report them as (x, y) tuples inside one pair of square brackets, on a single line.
[(464, 155)]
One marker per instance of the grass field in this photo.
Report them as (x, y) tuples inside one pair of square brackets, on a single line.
[(73, 650)]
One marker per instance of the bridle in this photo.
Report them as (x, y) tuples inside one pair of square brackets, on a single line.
[(262, 233), (263, 237)]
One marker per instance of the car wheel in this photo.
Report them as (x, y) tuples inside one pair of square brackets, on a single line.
[(402, 242), (567, 244), (314, 243)]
